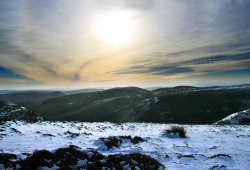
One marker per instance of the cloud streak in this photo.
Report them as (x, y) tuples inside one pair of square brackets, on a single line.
[(188, 66)]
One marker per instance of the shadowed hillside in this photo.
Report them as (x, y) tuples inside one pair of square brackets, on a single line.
[(27, 96), (184, 104), (200, 107), (119, 104)]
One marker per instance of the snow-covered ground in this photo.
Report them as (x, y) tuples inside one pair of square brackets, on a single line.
[(201, 150), (242, 117)]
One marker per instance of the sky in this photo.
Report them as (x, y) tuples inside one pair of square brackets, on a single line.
[(110, 43)]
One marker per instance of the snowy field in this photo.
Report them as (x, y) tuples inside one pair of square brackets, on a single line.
[(206, 147)]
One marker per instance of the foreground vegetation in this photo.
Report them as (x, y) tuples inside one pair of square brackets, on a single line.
[(175, 132), (205, 147), (73, 158)]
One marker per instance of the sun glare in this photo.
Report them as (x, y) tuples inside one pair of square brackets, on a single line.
[(115, 28)]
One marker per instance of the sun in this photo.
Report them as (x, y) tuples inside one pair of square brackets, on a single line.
[(116, 28)]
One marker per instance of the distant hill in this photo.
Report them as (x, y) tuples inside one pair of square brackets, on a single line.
[(175, 90), (119, 104), (81, 91), (182, 104), (16, 96), (238, 118), (29, 96)]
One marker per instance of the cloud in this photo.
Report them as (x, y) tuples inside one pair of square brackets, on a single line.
[(235, 44), (12, 52), (57, 42), (160, 70), (188, 66), (217, 58), (170, 70), (140, 4), (77, 77), (87, 63)]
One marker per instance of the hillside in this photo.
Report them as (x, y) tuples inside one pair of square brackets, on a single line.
[(198, 106), (69, 92), (183, 104), (238, 118), (9, 111), (29, 96), (119, 104)]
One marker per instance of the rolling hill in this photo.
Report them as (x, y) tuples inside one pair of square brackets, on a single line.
[(119, 104), (183, 104), (29, 96)]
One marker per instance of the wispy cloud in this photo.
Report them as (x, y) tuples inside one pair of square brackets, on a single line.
[(57, 43), (217, 58), (161, 70), (187, 66)]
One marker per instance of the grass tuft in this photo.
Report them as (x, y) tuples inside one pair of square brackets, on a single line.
[(175, 132)]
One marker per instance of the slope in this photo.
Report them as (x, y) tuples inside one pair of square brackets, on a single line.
[(30, 96), (118, 104), (169, 105), (238, 118)]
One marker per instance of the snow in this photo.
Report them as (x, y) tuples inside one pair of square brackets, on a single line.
[(235, 118), (81, 163), (46, 168), (103, 161), (173, 135), (205, 147)]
